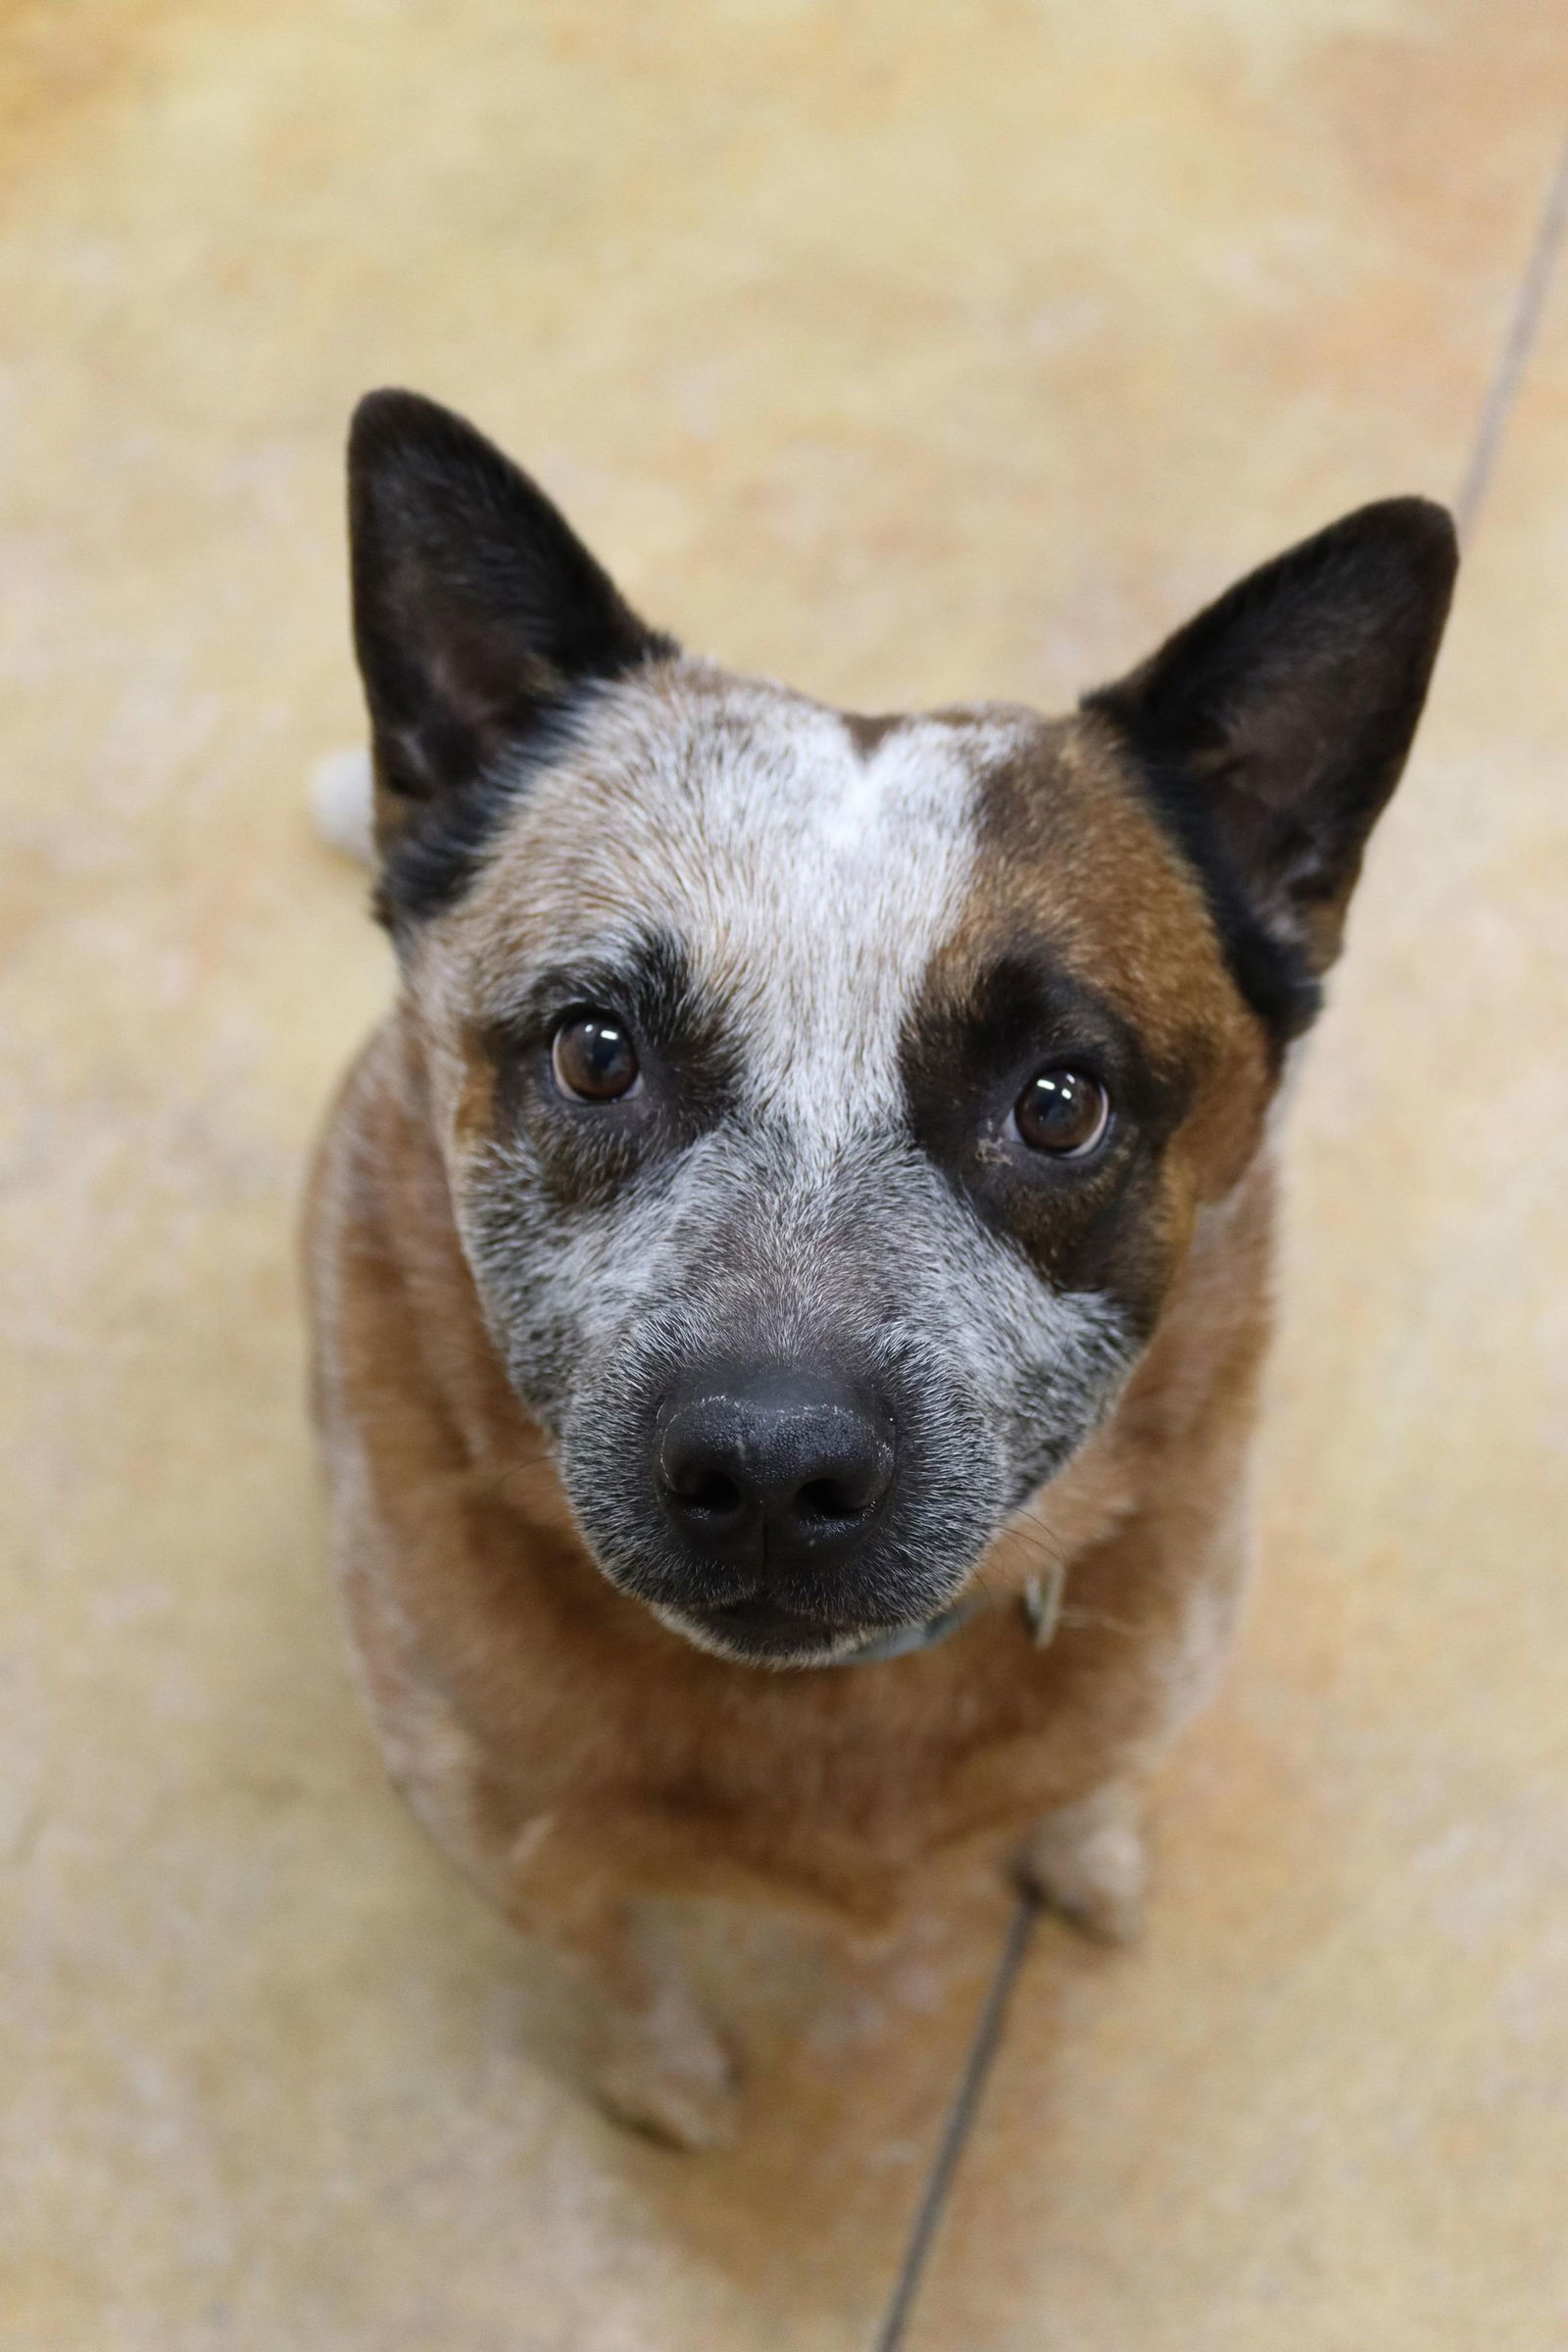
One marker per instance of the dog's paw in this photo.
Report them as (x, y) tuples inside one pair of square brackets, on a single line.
[(1089, 1862), (685, 2097)]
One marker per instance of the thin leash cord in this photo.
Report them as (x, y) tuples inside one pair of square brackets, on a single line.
[(1523, 327), (983, 2046)]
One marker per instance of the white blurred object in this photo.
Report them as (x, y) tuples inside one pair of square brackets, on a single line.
[(341, 802)]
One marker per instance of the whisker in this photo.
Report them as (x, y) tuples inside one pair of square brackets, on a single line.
[(1040, 1544), (1110, 1625), (496, 1482)]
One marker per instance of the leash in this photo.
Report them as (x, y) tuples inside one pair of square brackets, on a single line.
[(1041, 1606)]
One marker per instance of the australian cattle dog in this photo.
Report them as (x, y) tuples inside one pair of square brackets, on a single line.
[(791, 1270)]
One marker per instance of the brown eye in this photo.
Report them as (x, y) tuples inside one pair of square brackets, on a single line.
[(593, 1057), (1062, 1112)]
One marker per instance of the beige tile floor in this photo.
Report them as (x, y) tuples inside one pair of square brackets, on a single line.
[(907, 348)]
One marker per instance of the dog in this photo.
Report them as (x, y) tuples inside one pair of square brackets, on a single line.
[(790, 1274)]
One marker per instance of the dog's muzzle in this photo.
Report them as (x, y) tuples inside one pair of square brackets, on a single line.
[(776, 1476)]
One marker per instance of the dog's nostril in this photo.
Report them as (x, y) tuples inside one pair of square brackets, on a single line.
[(832, 1498), (706, 1490)]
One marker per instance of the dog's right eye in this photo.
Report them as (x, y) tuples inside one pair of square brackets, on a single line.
[(593, 1057)]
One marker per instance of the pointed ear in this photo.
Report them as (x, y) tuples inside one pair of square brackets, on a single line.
[(477, 610), (1271, 730)]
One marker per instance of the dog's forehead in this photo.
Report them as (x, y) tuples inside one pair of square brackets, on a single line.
[(817, 872), (724, 806), (707, 790), (807, 865)]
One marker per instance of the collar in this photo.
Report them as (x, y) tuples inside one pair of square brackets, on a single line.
[(1038, 1604)]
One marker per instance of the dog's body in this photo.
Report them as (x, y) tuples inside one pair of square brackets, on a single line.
[(816, 1170)]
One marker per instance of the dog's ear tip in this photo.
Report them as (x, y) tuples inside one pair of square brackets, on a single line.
[(1402, 510), (1427, 515), (387, 408), (391, 421), (386, 400), (1419, 531)]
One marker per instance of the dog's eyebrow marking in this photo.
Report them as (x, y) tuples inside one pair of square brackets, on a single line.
[(648, 978)]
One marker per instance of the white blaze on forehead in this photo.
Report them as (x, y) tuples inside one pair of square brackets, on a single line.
[(808, 881), (837, 874)]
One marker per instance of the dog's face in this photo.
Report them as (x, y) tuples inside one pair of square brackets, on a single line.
[(821, 1185), (828, 1102)]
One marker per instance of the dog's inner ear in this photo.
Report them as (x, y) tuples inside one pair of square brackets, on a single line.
[(477, 610), (1271, 730)]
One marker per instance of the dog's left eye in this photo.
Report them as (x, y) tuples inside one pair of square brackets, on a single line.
[(593, 1057), (1062, 1112)]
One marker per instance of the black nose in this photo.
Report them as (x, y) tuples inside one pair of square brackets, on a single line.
[(777, 1466)]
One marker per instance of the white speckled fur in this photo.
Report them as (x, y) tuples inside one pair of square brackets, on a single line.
[(810, 885), (810, 882)]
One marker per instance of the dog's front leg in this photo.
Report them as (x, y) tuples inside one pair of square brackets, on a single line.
[(1089, 1862), (1160, 1598), (658, 2066), (661, 2065)]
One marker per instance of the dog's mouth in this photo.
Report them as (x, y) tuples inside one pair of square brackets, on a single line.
[(760, 1632)]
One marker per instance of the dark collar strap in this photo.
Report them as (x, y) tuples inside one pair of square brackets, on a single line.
[(1040, 1603)]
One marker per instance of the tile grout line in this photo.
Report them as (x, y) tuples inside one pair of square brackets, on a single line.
[(1530, 301), (983, 2046)]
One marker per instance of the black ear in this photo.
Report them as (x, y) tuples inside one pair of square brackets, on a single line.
[(477, 612), (1271, 730)]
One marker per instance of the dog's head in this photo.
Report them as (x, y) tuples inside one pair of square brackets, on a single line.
[(828, 1102)]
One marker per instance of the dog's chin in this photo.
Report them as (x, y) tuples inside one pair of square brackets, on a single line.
[(759, 1633)]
